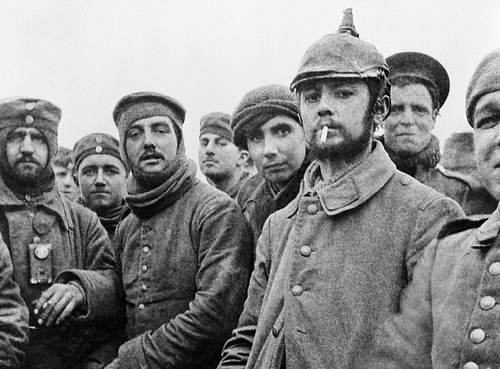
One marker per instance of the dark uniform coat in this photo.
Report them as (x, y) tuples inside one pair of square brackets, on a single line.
[(332, 265), (185, 271), (13, 316), (75, 240), (450, 317)]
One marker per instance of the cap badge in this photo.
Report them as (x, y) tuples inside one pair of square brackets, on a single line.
[(98, 149), (29, 119)]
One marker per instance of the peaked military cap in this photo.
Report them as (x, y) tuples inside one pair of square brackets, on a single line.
[(422, 66)]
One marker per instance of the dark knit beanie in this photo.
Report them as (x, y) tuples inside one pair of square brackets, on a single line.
[(32, 113), (485, 79), (272, 99), (216, 123), (141, 105), (96, 144)]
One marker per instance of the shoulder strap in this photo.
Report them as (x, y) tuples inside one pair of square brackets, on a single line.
[(460, 225)]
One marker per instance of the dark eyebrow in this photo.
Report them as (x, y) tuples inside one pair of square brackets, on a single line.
[(281, 125)]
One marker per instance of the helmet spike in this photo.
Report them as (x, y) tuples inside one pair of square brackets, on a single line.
[(347, 24)]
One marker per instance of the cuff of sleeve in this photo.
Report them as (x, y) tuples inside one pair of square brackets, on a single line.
[(131, 355)]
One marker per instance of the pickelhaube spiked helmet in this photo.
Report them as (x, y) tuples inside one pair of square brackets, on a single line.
[(341, 54)]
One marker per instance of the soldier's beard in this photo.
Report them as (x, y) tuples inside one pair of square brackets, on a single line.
[(349, 148)]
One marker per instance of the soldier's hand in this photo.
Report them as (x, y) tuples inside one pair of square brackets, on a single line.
[(57, 303)]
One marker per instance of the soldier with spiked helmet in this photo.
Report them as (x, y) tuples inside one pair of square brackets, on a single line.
[(333, 264)]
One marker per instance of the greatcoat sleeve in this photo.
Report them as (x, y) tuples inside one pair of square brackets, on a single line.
[(97, 273), (13, 315), (237, 348)]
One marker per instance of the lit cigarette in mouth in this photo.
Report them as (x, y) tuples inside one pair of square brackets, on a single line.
[(324, 132)]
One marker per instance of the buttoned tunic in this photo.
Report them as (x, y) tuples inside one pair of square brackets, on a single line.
[(333, 264), (451, 315), (185, 272)]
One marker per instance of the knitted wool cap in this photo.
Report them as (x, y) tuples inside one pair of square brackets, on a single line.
[(32, 113), (458, 151), (341, 55), (271, 99), (412, 64), (96, 144), (216, 123), (141, 105), (485, 79)]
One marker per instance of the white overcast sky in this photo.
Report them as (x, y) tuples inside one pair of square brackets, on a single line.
[(84, 55)]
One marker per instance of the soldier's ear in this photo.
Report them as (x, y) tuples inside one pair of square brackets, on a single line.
[(242, 157), (381, 109), (75, 178)]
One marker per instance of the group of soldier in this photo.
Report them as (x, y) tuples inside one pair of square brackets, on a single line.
[(315, 244)]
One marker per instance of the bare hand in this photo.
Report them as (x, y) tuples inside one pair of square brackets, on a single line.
[(57, 303)]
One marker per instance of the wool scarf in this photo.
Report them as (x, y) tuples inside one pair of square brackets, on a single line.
[(146, 201), (428, 158)]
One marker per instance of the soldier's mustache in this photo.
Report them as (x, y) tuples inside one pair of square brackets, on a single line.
[(151, 155), (27, 159)]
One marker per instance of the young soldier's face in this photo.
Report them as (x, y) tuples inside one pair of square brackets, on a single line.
[(66, 183), (487, 141), (341, 105), (407, 129), (151, 144), (277, 149), (102, 180), (27, 152), (218, 157)]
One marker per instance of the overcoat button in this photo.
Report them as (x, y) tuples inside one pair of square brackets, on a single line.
[(305, 250), (471, 365), (312, 209), (487, 302), (297, 290), (495, 268), (477, 335)]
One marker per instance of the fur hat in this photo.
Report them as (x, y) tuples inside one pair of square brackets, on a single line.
[(216, 123), (33, 113), (272, 99), (485, 79), (96, 144)]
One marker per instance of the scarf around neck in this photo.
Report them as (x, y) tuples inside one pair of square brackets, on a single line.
[(145, 202), (428, 158)]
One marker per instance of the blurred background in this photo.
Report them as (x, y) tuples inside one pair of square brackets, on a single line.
[(84, 55)]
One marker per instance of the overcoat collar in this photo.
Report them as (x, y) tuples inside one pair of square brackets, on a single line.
[(356, 186)]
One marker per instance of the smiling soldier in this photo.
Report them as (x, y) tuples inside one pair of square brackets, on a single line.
[(420, 87)]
